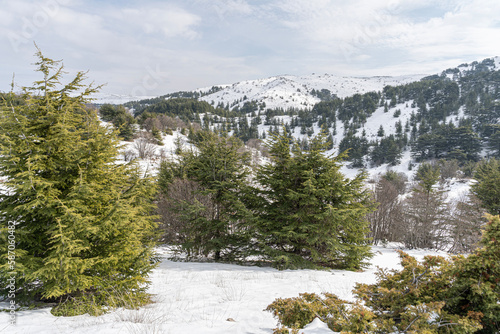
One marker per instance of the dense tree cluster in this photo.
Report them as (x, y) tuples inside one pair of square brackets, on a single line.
[(300, 210)]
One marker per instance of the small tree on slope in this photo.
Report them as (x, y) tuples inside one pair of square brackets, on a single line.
[(81, 224)]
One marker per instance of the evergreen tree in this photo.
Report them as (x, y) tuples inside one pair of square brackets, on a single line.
[(487, 189), (476, 285), (427, 175), (494, 140), (214, 222), (309, 213), (387, 151), (380, 132), (82, 225)]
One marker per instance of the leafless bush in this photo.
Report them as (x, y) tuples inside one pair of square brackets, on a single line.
[(468, 219), (168, 122), (398, 180), (180, 194), (387, 223), (448, 169), (195, 127), (144, 146), (427, 220), (129, 155), (152, 123), (257, 144), (162, 154)]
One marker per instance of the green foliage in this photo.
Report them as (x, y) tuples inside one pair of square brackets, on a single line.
[(187, 109), (308, 213), (494, 140), (448, 141), (407, 301), (427, 175), (212, 211), (340, 315), (82, 224), (323, 95), (380, 132), (387, 151), (437, 295), (96, 305), (121, 119), (487, 188), (355, 147), (476, 286)]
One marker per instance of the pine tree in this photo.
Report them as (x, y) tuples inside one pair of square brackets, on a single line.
[(213, 213), (427, 175), (476, 285), (82, 224), (487, 189), (309, 213), (380, 132)]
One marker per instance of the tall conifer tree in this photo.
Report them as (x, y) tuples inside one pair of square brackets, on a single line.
[(82, 224)]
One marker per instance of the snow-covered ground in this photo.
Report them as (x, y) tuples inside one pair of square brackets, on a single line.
[(191, 297)]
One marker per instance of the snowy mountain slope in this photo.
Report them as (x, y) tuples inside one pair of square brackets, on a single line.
[(102, 98), (290, 91)]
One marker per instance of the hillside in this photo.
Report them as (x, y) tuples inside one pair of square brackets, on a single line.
[(299, 92), (384, 122)]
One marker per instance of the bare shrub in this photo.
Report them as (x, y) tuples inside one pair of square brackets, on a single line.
[(468, 219), (180, 194), (164, 122), (427, 220), (398, 180), (152, 123), (129, 155), (386, 223), (195, 127), (258, 145), (144, 146), (448, 169)]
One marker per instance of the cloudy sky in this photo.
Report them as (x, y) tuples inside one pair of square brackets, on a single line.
[(156, 47)]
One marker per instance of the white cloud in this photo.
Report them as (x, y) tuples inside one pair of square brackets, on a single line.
[(169, 20), (206, 42)]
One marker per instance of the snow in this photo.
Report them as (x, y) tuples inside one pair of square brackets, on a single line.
[(209, 298), (288, 91), (316, 327), (102, 98), (497, 62)]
